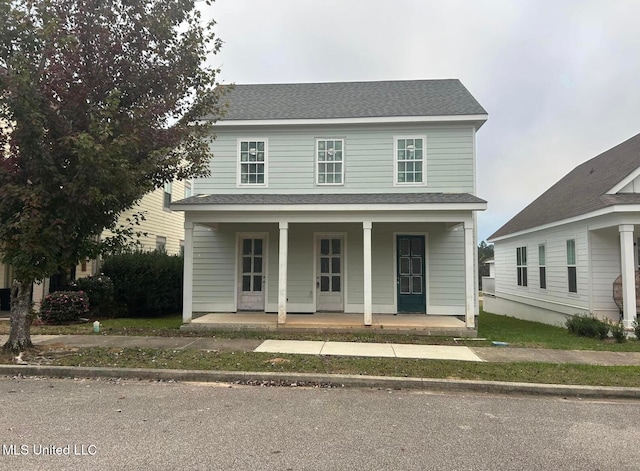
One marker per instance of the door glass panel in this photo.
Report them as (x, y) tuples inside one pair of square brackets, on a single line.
[(416, 247), (404, 284), (324, 265), (416, 265), (324, 246), (404, 247), (335, 246), (404, 265), (324, 283), (417, 284), (246, 247), (335, 284), (246, 283), (335, 265), (257, 265), (257, 246), (257, 283), (246, 264)]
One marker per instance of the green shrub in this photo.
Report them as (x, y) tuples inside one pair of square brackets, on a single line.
[(100, 290), (636, 329), (64, 306), (587, 326), (617, 332), (146, 283)]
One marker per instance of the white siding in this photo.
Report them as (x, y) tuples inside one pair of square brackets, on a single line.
[(605, 262), (368, 159)]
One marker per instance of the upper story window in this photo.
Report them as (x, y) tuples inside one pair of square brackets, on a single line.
[(166, 201), (252, 162), (330, 162), (187, 189), (521, 265), (572, 275), (410, 165), (542, 262)]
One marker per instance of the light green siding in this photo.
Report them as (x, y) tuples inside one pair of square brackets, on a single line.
[(368, 159)]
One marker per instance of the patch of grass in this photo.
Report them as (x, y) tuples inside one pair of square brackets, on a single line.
[(628, 376)]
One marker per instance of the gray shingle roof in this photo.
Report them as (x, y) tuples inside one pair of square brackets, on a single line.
[(350, 100), (330, 199), (582, 190)]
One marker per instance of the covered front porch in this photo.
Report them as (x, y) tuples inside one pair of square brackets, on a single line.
[(401, 324)]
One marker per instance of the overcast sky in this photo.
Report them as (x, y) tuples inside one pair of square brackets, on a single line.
[(560, 79)]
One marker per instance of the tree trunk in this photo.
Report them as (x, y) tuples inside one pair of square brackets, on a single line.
[(20, 333)]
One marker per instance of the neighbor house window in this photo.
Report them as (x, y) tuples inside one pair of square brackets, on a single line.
[(161, 243), (542, 262), (187, 189), (253, 162), (521, 265), (410, 166), (571, 266), (166, 202), (330, 157)]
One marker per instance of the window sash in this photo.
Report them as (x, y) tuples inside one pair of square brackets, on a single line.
[(571, 252), (521, 265), (252, 162), (410, 161), (330, 162)]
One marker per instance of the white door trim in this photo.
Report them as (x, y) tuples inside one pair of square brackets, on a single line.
[(426, 266), (316, 249), (265, 264)]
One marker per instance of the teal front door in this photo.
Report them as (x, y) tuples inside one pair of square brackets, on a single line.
[(410, 276)]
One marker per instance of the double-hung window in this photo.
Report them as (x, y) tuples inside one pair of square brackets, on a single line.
[(572, 275), (330, 162), (166, 202), (410, 160), (542, 262), (521, 265), (252, 162)]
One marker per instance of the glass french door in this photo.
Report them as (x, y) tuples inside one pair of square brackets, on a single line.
[(410, 274), (251, 274)]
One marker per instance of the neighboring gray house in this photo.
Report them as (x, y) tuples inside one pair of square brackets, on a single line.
[(353, 197), (561, 254)]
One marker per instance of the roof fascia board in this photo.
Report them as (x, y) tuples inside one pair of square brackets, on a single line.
[(480, 118), (618, 208), (331, 207), (632, 176)]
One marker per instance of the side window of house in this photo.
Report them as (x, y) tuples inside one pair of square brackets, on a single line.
[(252, 162), (521, 265), (542, 262), (161, 243), (572, 275), (166, 202), (330, 162), (187, 189), (410, 160)]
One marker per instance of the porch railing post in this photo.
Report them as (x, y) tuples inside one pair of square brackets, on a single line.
[(368, 289), (282, 272), (628, 275)]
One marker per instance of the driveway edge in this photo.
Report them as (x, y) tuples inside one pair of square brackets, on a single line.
[(333, 380)]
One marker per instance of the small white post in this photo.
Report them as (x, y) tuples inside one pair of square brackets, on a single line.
[(628, 275), (368, 286), (282, 272), (469, 277), (187, 287)]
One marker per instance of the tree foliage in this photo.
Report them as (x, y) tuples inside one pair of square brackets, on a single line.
[(99, 105)]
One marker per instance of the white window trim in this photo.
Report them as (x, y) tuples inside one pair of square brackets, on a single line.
[(525, 266), (266, 163), (542, 265), (167, 189), (572, 265), (424, 161), (318, 162)]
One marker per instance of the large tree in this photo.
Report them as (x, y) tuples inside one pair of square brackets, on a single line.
[(99, 105)]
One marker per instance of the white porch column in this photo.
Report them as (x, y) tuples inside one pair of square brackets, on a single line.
[(282, 273), (628, 275), (187, 287), (469, 275), (368, 286)]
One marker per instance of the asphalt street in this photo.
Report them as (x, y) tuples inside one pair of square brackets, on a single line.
[(103, 424)]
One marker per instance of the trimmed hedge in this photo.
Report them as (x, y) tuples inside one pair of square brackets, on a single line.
[(64, 306), (146, 283), (100, 290)]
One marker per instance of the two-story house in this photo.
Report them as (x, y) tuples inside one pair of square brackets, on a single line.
[(353, 197)]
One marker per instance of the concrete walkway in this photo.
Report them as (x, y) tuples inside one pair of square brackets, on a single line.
[(436, 352)]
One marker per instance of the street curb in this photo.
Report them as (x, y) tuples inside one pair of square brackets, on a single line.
[(356, 381)]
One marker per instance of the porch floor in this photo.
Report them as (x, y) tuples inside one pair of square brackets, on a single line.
[(412, 324)]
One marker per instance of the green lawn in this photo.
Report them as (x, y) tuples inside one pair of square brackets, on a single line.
[(517, 333)]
